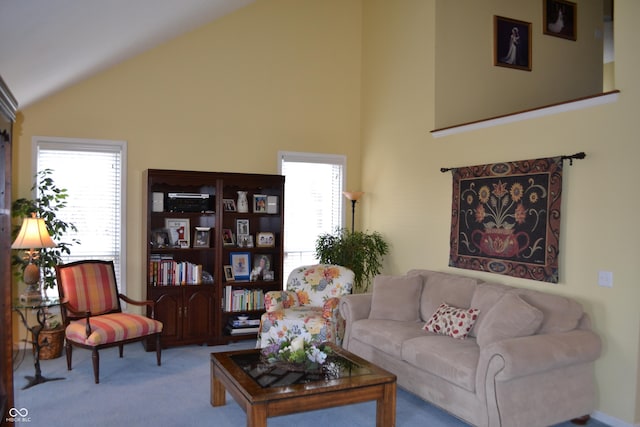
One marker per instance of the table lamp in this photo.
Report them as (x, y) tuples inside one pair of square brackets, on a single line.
[(354, 196), (33, 235)]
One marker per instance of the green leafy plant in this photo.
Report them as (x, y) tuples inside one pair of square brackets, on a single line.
[(360, 251), (48, 202)]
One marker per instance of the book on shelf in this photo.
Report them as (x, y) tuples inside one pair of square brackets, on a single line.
[(235, 299), (245, 330), (244, 323), (165, 271)]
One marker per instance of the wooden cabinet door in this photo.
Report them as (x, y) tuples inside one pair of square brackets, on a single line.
[(198, 314), (169, 309)]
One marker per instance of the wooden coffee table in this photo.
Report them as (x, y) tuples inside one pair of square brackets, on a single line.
[(264, 391)]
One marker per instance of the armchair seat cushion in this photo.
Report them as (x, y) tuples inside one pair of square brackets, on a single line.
[(111, 328)]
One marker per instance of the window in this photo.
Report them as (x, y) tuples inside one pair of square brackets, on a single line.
[(93, 172), (313, 203)]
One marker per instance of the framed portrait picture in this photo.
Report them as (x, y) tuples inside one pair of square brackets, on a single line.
[(559, 19), (160, 238), (229, 205), (227, 237), (512, 43), (244, 241), (240, 265), (265, 239), (228, 273), (259, 203), (261, 264), (242, 227), (201, 237), (179, 231)]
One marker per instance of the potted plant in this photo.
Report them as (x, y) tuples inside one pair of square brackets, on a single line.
[(360, 251), (48, 202)]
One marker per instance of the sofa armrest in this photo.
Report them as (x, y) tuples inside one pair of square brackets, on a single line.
[(353, 307), (523, 356)]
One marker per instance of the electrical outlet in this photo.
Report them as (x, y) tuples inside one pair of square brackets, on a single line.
[(605, 279)]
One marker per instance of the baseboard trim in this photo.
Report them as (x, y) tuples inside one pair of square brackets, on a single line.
[(611, 421)]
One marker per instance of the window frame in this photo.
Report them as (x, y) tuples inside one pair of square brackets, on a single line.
[(79, 144), (305, 157)]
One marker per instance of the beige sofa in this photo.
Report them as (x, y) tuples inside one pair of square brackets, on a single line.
[(526, 361)]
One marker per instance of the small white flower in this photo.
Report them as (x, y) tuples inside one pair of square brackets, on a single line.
[(316, 355)]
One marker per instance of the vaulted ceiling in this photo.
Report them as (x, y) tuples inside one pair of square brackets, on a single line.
[(47, 45)]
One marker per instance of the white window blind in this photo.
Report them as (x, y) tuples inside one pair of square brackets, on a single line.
[(93, 174), (314, 203)]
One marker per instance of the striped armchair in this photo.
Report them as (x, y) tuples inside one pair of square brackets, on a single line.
[(92, 314), (308, 306)]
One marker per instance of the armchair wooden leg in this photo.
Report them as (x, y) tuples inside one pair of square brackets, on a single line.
[(158, 350), (69, 351), (121, 350), (96, 365)]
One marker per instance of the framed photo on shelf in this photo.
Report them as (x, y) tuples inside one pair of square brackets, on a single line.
[(259, 203), (512, 43), (272, 204), (227, 237), (179, 231), (229, 205), (242, 227), (160, 238), (245, 241), (240, 265), (201, 237), (228, 273), (265, 239), (560, 19), (261, 264)]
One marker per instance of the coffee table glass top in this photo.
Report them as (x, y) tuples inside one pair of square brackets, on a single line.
[(268, 375)]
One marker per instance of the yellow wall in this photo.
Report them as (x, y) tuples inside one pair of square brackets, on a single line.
[(277, 75), (408, 199), (330, 75), (469, 87)]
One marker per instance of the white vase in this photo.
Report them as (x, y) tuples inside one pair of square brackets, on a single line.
[(243, 204)]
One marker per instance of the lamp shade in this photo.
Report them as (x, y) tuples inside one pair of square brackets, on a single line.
[(353, 195), (33, 234)]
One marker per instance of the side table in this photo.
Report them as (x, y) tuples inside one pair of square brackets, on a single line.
[(41, 306)]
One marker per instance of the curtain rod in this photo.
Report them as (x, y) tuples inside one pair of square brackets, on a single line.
[(578, 156)]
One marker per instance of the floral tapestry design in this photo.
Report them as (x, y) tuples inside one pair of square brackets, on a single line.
[(505, 218)]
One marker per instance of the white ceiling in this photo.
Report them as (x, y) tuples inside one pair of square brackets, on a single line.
[(46, 45)]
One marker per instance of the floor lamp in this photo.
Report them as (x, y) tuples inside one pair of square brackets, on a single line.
[(33, 235), (354, 196)]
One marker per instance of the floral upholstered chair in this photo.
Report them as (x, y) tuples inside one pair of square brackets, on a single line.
[(308, 307)]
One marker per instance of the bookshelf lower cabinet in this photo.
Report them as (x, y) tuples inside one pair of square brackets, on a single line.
[(187, 314)]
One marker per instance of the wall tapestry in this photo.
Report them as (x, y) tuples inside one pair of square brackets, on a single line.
[(505, 218)]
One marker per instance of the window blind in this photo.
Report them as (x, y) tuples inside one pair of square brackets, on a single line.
[(314, 203), (92, 173)]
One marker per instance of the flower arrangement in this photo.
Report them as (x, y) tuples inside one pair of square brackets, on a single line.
[(297, 351)]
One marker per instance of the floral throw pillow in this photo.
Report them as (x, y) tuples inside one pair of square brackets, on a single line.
[(452, 321)]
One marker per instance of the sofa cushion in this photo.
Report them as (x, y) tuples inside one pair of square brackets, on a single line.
[(385, 335), (453, 360), (395, 298), (510, 317), (561, 314), (485, 296), (452, 321), (443, 287)]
